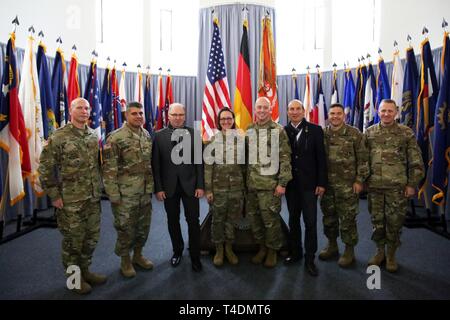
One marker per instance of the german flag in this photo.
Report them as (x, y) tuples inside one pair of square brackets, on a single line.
[(243, 93)]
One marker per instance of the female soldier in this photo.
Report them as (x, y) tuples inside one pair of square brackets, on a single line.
[(224, 184)]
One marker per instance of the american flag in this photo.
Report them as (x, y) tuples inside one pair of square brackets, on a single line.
[(216, 94)]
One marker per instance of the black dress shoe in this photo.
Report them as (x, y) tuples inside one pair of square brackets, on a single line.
[(292, 259), (196, 264), (311, 268), (175, 260)]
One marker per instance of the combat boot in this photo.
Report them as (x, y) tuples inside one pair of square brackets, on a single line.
[(85, 288), (259, 257), (231, 257), (271, 259), (93, 278), (378, 258), (140, 260), (218, 257), (330, 251), (347, 258), (391, 263), (126, 267)]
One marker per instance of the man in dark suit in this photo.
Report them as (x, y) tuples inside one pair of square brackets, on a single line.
[(178, 177), (309, 180)]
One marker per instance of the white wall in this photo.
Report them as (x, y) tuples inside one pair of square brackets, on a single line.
[(73, 20), (402, 17)]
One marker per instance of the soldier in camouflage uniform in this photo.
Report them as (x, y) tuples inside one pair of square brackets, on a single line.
[(70, 175), (224, 185), (347, 163), (128, 182), (396, 168), (265, 188)]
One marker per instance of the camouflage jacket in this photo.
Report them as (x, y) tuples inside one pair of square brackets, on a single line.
[(69, 165), (347, 157), (221, 174), (127, 159), (394, 157), (259, 176)]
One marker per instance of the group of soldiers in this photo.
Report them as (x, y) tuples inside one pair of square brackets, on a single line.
[(385, 159)]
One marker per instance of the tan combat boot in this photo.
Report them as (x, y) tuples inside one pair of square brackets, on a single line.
[(347, 258), (85, 288), (218, 257), (231, 257), (126, 267), (378, 258), (140, 260), (391, 263), (330, 251), (271, 259), (259, 257), (93, 278)]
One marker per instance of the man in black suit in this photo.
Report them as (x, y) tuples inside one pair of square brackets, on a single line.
[(309, 180), (178, 177)]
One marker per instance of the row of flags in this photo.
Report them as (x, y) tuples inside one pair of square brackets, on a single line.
[(34, 108), (31, 111), (416, 99), (217, 93)]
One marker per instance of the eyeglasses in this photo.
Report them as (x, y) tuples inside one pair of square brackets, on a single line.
[(226, 119), (177, 115)]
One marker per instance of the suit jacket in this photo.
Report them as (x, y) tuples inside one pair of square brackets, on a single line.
[(166, 174), (308, 160)]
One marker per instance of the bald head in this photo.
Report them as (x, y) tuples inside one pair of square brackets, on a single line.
[(263, 110)]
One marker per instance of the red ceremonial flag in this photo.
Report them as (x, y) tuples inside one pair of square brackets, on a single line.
[(73, 86), (169, 99), (160, 104), (267, 82)]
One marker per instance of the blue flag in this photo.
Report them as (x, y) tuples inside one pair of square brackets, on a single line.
[(92, 94), (296, 94), (45, 86), (426, 102), (383, 88), (148, 105), (410, 86), (61, 109), (107, 102), (359, 98), (349, 96), (441, 150)]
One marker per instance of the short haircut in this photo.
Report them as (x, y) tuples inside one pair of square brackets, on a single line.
[(296, 101), (77, 100), (388, 101), (134, 104), (265, 99), (337, 105), (219, 126), (175, 104)]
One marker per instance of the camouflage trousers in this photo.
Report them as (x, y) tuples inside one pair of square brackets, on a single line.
[(79, 224), (340, 208), (132, 219), (388, 211), (226, 209), (263, 209)]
